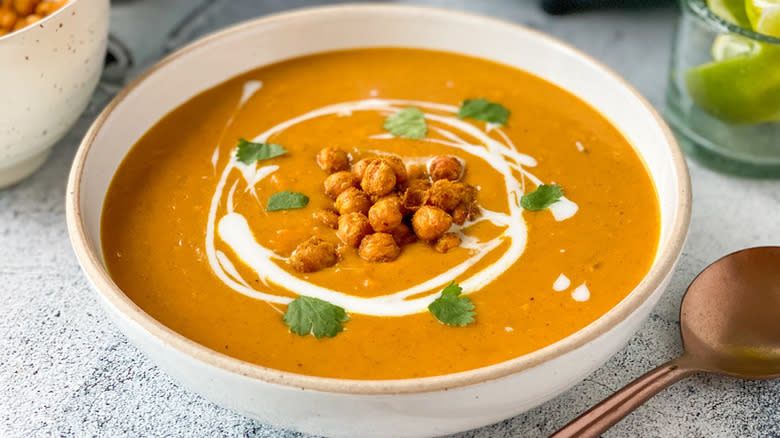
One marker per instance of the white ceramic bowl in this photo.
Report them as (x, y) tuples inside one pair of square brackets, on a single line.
[(49, 71), (391, 408)]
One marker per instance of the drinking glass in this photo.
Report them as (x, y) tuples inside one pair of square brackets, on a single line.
[(723, 95)]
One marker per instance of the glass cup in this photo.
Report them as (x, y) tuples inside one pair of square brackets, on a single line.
[(723, 96)]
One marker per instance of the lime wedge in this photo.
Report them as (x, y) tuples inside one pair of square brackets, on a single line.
[(742, 86), (728, 46), (769, 23), (764, 16), (731, 10)]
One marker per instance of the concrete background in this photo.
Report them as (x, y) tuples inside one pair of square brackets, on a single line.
[(66, 371)]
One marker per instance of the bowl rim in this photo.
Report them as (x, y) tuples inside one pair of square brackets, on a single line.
[(669, 250)]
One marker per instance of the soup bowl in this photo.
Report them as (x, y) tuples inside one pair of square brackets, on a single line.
[(375, 408)]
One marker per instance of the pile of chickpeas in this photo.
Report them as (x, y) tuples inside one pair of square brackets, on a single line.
[(381, 204), (16, 14)]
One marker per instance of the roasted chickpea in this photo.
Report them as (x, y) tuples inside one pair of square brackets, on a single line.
[(360, 167), (447, 242), (378, 178), (21, 23), (32, 18), (403, 235), (415, 194), (353, 200), (336, 183), (460, 214), (353, 227), (447, 195), (7, 19), (328, 218), (25, 7), (445, 167), (395, 197), (398, 166), (430, 223), (468, 209), (45, 8), (385, 214), (332, 159), (313, 254), (379, 248)]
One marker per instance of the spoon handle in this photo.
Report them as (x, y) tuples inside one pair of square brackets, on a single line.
[(604, 415)]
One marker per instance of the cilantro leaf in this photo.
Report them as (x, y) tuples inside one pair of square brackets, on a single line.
[(485, 110), (541, 198), (286, 200), (407, 123), (308, 315), (450, 309), (249, 152)]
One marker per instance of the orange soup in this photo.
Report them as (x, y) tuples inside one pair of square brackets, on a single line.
[(380, 214)]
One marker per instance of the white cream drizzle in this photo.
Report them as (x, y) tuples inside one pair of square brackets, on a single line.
[(561, 283), (250, 88), (563, 209), (581, 293), (215, 158), (384, 136), (234, 230), (226, 264)]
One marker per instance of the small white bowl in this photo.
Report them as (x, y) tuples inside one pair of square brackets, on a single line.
[(381, 408), (49, 71)]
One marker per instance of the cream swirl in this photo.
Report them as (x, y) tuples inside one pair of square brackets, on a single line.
[(234, 230)]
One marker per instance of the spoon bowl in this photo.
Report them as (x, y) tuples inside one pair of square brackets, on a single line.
[(730, 325), (729, 317)]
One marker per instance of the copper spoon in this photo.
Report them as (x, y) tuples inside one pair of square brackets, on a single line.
[(730, 325)]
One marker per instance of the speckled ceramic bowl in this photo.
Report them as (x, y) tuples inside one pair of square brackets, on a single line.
[(48, 72), (380, 408)]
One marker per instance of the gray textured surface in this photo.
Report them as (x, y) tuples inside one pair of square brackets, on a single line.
[(65, 370)]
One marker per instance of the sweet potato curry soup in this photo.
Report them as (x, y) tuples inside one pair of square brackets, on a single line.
[(380, 214)]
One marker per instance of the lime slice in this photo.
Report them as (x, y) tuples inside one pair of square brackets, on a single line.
[(731, 10), (764, 16), (742, 86), (769, 23), (728, 46)]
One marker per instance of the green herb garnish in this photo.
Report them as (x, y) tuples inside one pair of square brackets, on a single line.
[(407, 123), (485, 110), (286, 200), (249, 152), (307, 315), (541, 198), (452, 309)]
